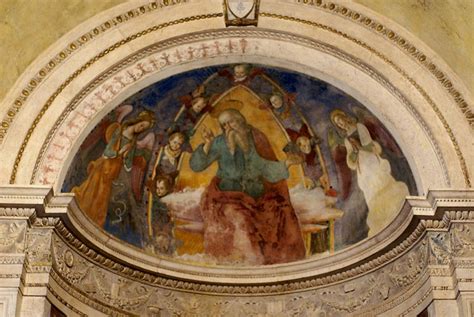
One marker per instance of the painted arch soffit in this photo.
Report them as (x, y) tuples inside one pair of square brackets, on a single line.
[(98, 101), (165, 59)]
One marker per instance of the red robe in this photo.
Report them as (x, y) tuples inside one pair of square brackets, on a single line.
[(269, 222)]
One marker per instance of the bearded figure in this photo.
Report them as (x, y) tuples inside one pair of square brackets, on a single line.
[(247, 213)]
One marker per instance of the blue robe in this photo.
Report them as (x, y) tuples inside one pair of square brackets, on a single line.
[(243, 172)]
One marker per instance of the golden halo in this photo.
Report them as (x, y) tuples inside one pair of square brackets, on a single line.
[(338, 112), (224, 105)]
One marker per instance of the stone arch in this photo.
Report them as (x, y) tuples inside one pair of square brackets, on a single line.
[(76, 82)]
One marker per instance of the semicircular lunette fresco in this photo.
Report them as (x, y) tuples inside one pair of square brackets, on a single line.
[(240, 165)]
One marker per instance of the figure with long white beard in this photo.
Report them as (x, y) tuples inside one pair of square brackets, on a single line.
[(247, 213)]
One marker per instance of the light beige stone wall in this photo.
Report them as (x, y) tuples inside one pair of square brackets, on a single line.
[(27, 28), (446, 26)]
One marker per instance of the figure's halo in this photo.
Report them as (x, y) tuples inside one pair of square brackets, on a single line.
[(224, 105), (338, 112)]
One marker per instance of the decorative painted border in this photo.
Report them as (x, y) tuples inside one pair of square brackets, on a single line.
[(396, 67), (232, 33)]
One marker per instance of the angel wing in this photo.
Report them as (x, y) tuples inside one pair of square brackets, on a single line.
[(96, 135), (226, 73), (111, 130), (123, 111), (256, 72), (339, 154)]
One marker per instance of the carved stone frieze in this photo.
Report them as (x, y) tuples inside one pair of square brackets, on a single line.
[(16, 212), (9, 259), (38, 250), (12, 233), (440, 248), (405, 272), (119, 294), (464, 263), (431, 250), (46, 222), (462, 239)]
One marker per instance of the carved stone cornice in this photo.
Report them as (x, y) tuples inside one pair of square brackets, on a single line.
[(10, 212), (415, 230), (437, 238), (428, 214), (93, 284), (30, 196), (418, 216)]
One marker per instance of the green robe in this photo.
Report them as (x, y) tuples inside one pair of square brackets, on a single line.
[(243, 172)]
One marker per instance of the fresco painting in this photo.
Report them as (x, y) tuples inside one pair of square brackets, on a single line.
[(240, 165)]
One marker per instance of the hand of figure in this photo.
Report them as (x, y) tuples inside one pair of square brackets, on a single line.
[(207, 135), (124, 150), (308, 183), (324, 182), (355, 144), (293, 159)]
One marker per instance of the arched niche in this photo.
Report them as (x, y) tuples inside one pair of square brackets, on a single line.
[(367, 56)]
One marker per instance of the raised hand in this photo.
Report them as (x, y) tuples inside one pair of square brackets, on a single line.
[(208, 137), (207, 134)]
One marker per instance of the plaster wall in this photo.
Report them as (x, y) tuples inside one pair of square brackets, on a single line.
[(27, 28)]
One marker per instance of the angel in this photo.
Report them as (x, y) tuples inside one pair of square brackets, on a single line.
[(242, 74), (125, 156), (160, 221), (194, 106), (164, 173), (283, 107), (354, 149), (305, 146), (171, 153)]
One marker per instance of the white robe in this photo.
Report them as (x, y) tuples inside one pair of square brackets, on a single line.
[(383, 194)]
